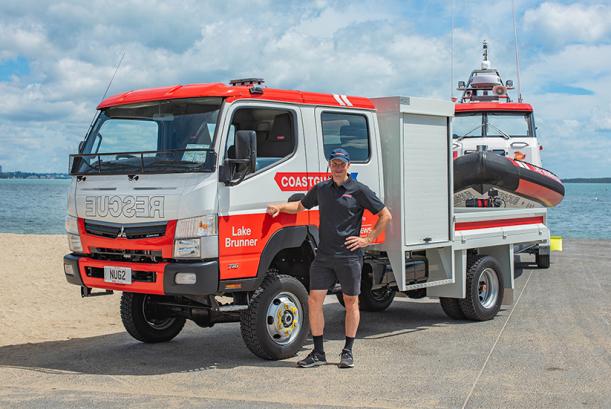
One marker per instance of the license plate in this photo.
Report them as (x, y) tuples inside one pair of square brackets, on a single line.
[(119, 275)]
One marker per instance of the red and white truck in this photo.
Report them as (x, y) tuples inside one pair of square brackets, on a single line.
[(169, 191)]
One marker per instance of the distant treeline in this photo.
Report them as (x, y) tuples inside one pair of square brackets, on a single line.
[(33, 175), (587, 180)]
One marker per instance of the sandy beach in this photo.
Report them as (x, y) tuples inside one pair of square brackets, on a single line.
[(551, 349), (37, 303)]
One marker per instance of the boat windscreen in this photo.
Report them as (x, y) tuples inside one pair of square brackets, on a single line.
[(508, 124), (492, 124)]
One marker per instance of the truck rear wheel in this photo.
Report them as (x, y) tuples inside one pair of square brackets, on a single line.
[(143, 322), (275, 325), (543, 260), (484, 293), (451, 306)]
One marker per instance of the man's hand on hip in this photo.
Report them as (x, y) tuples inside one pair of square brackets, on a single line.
[(353, 243)]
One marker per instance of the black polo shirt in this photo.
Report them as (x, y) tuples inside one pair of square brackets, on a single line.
[(341, 213)]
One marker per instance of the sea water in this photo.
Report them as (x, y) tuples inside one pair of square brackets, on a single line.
[(39, 206)]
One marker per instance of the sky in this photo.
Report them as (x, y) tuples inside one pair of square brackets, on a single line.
[(57, 58)]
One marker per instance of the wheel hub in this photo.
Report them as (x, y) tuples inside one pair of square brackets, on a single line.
[(488, 289), (283, 318), (148, 313)]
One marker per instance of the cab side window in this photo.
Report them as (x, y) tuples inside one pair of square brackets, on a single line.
[(347, 131), (275, 133)]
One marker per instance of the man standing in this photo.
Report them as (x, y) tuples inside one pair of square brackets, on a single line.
[(341, 201)]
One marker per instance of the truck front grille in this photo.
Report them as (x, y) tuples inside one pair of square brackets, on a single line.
[(141, 276), (142, 256), (128, 231)]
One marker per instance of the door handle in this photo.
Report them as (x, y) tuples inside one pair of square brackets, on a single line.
[(296, 197)]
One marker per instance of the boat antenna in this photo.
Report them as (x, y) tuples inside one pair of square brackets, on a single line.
[(515, 35), (452, 55)]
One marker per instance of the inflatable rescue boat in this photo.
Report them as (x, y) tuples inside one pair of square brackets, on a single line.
[(485, 179), (497, 159)]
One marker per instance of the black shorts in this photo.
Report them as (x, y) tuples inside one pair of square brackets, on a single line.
[(325, 271)]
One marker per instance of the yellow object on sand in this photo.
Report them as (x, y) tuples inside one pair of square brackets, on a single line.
[(555, 243)]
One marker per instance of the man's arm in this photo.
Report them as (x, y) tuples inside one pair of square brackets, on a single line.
[(309, 201), (354, 242), (289, 207)]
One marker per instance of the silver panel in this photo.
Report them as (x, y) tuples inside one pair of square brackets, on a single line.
[(457, 287), (428, 285), (425, 179), (416, 157), (210, 247)]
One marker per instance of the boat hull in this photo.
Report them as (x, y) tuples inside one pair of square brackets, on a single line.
[(519, 184)]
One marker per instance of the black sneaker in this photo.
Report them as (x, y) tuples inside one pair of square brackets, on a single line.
[(347, 361), (315, 358)]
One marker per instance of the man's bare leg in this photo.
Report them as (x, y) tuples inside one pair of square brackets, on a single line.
[(317, 326), (353, 315), (317, 318)]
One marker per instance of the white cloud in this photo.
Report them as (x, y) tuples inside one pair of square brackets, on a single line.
[(561, 23), (356, 48)]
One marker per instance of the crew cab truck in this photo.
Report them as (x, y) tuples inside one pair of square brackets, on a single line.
[(168, 198)]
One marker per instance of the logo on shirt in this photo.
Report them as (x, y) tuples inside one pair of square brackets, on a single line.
[(302, 181)]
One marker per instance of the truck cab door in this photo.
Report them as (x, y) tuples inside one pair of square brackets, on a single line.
[(355, 131), (244, 226)]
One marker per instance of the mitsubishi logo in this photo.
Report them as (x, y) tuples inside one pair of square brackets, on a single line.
[(122, 234)]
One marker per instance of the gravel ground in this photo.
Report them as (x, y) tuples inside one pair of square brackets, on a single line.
[(551, 349)]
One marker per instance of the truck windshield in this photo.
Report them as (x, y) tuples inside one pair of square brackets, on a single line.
[(492, 124), (174, 136)]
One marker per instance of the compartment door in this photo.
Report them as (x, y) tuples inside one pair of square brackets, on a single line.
[(427, 196)]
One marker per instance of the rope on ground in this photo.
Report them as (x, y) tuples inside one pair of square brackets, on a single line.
[(481, 371)]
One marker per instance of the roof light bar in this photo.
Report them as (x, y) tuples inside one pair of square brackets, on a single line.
[(246, 82)]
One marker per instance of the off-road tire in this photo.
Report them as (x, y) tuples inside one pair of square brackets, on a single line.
[(543, 260), (377, 300), (471, 305), (451, 306), (370, 301), (136, 324), (253, 321)]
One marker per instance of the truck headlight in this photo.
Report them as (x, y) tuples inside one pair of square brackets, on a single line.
[(200, 226), (71, 225), (187, 248), (74, 243)]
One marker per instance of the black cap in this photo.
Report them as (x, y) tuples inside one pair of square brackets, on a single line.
[(340, 154)]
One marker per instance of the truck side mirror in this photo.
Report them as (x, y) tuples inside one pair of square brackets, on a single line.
[(80, 146), (461, 86), (234, 170), (509, 84), (246, 148)]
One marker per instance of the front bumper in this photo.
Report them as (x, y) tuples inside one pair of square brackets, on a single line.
[(160, 276)]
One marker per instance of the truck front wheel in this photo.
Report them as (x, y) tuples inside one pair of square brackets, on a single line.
[(275, 325), (484, 290), (144, 322)]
